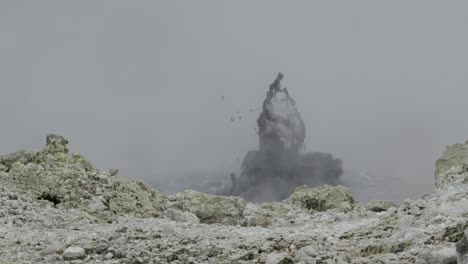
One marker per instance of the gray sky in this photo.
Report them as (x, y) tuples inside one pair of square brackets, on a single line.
[(137, 84)]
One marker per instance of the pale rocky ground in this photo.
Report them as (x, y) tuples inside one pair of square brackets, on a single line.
[(57, 207)]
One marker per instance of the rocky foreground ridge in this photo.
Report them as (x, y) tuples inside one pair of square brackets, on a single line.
[(57, 207)]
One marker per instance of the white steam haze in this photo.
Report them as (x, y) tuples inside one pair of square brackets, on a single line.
[(137, 85)]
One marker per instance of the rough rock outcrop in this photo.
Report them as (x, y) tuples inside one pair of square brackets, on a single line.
[(323, 198), (71, 181), (209, 208), (452, 167), (137, 198)]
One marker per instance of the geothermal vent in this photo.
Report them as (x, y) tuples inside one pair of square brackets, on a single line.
[(279, 165)]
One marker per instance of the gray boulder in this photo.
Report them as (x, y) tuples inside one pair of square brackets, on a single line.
[(74, 253)]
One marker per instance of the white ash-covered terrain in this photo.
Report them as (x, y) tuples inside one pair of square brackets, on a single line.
[(57, 207)]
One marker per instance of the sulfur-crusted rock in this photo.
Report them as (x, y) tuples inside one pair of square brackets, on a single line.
[(452, 167), (70, 181), (21, 156), (323, 198), (137, 198), (267, 214), (209, 208), (55, 143)]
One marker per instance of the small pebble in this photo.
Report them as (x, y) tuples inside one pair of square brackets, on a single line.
[(109, 255)]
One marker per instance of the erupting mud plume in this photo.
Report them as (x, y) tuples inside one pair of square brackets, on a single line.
[(279, 166)]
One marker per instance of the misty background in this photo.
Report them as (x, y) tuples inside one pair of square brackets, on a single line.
[(138, 85)]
